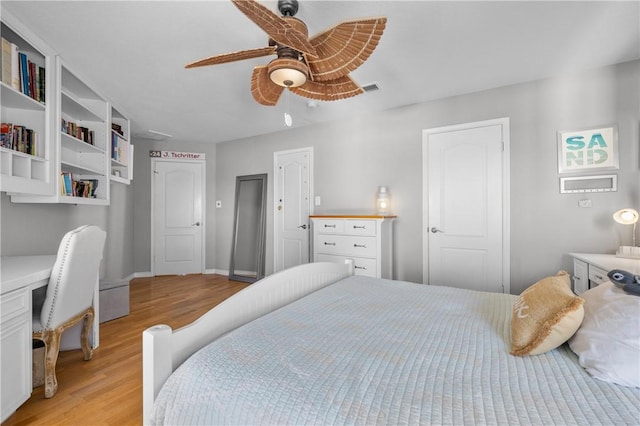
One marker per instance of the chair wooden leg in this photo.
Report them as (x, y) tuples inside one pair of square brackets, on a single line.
[(86, 333), (51, 339)]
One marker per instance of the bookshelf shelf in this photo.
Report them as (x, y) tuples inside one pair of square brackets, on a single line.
[(79, 145), (76, 109), (12, 97)]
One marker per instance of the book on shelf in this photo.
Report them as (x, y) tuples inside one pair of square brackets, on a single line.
[(19, 138), (83, 133), (10, 64), (20, 73), (117, 128), (66, 183), (85, 188), (6, 61), (119, 148), (24, 73)]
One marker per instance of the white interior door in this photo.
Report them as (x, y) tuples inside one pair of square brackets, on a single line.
[(292, 206), (178, 200), (466, 206)]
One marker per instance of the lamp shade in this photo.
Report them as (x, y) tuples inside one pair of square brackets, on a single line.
[(287, 72), (626, 216), (383, 201)]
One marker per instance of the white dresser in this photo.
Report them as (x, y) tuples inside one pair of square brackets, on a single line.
[(365, 239), (590, 270)]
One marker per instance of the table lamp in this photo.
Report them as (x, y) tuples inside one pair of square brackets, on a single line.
[(628, 217), (383, 201)]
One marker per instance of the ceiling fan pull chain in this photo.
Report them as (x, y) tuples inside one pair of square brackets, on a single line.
[(288, 121)]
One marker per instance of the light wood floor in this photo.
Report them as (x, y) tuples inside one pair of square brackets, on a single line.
[(107, 390)]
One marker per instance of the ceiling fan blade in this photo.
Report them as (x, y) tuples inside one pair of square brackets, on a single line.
[(234, 56), (264, 91), (333, 90), (276, 27), (345, 47)]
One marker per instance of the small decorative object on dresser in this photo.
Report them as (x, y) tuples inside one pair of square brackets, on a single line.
[(365, 239), (383, 201)]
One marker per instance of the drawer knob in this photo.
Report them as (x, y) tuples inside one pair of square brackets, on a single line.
[(329, 244)]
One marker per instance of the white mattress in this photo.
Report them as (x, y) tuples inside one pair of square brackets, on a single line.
[(367, 351)]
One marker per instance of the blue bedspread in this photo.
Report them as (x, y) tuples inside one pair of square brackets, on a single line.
[(367, 351)]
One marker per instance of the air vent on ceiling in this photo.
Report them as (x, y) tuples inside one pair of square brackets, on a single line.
[(371, 87), (153, 135)]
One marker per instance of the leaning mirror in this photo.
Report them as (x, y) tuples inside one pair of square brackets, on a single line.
[(247, 245)]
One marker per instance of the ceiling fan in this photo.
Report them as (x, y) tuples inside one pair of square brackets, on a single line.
[(316, 67)]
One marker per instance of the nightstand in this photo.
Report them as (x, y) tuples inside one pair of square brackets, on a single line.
[(590, 270)]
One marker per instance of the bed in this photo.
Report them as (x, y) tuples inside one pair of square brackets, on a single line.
[(318, 345)]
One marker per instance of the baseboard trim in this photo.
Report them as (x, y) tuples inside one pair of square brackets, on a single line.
[(149, 275)]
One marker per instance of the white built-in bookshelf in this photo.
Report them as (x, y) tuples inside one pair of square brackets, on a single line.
[(82, 143), (76, 142)]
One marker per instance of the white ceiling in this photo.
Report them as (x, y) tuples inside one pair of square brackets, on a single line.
[(134, 53)]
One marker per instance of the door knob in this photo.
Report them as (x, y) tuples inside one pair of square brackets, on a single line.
[(303, 226), (196, 224), (434, 230)]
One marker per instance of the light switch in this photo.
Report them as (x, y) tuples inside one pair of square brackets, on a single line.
[(317, 200)]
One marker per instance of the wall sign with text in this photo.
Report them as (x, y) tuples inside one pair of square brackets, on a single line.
[(174, 155), (588, 150)]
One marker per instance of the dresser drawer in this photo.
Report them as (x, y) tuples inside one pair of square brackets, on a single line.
[(330, 226), (597, 276), (360, 227), (364, 267), (348, 245), (14, 303)]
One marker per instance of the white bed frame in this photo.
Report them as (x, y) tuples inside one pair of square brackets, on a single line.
[(164, 349)]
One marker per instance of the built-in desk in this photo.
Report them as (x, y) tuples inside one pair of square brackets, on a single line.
[(590, 269), (19, 276)]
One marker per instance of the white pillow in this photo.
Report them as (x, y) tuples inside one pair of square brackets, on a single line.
[(608, 341)]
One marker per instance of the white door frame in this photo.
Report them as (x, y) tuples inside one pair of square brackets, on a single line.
[(203, 230), (309, 151), (506, 186)]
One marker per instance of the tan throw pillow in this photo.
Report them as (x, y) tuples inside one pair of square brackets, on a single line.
[(545, 316)]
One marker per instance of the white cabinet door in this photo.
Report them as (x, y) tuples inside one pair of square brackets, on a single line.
[(580, 276), (15, 350)]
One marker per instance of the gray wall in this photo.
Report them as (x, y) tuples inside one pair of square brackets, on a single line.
[(353, 157), (30, 229)]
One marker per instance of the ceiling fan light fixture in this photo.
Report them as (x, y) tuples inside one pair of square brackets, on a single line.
[(288, 72)]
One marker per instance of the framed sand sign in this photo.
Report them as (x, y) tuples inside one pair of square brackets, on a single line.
[(588, 150)]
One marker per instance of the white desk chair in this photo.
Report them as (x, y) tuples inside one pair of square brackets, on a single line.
[(69, 297)]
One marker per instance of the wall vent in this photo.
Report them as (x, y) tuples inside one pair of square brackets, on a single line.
[(371, 87)]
